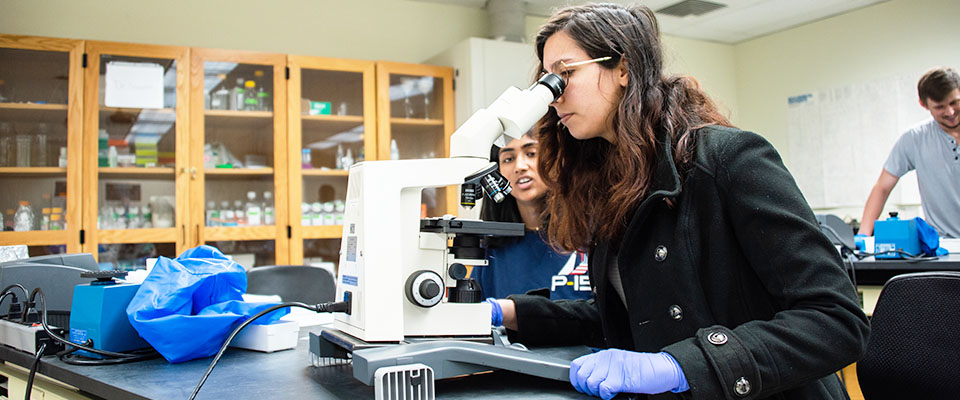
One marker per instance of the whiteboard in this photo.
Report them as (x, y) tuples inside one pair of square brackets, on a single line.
[(839, 139)]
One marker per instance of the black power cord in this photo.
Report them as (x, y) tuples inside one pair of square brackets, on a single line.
[(342, 306), (33, 370)]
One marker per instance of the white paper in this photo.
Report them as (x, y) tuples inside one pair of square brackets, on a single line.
[(840, 137), (133, 85)]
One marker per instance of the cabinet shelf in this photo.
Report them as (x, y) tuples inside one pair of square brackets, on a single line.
[(33, 106), (333, 118), (238, 171), (32, 171), (143, 235), (238, 114), (136, 173), (416, 121), (325, 172), (264, 232), (125, 110), (31, 113), (322, 232), (34, 238)]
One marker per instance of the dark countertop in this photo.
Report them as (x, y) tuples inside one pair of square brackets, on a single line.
[(870, 271), (244, 374)]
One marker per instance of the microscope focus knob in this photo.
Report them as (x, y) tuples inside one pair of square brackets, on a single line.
[(424, 288), (429, 289)]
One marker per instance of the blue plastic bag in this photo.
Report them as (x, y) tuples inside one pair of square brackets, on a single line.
[(929, 240), (187, 306)]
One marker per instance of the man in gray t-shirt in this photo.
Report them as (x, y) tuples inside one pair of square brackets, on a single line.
[(932, 149)]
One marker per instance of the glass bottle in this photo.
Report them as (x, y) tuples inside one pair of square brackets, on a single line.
[(306, 159), (239, 213), (23, 218), (146, 216), (250, 96), (348, 159), (40, 148), (56, 221), (268, 217), (236, 98), (226, 214), (254, 216), (23, 150), (212, 214), (339, 156), (62, 161), (8, 222), (329, 218), (45, 219), (7, 150), (316, 214), (394, 150), (221, 97), (305, 217), (263, 96), (103, 145)]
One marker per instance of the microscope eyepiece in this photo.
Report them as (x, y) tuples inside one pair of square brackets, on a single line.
[(553, 82)]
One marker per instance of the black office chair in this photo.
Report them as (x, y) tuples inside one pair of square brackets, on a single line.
[(303, 283), (914, 346)]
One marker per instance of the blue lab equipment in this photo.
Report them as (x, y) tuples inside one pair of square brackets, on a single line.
[(894, 236), (99, 313)]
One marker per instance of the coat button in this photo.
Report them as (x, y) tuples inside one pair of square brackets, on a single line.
[(742, 386), (717, 338), (661, 253), (676, 312)]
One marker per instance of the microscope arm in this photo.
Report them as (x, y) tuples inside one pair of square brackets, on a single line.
[(513, 114)]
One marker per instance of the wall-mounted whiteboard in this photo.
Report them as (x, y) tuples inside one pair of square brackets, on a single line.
[(840, 137)]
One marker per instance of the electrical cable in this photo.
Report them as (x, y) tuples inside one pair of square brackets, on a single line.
[(341, 306), (33, 370), (117, 358)]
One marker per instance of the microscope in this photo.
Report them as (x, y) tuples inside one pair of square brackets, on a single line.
[(399, 273)]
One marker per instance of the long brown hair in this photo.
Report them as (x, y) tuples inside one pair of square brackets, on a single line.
[(595, 185)]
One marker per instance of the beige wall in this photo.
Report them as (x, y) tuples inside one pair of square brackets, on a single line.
[(887, 39), (395, 30)]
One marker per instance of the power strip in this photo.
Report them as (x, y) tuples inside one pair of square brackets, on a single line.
[(29, 338)]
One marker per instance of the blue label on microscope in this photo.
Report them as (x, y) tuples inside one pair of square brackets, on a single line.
[(350, 280)]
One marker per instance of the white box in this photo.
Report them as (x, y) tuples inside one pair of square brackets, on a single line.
[(280, 335)]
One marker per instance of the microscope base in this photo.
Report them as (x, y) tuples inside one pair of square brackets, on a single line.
[(448, 357)]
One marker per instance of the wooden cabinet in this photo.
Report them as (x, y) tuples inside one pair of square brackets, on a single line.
[(135, 147), (161, 150), (40, 128), (415, 111), (238, 148), (332, 113)]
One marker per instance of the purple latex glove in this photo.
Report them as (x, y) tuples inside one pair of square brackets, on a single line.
[(609, 372)]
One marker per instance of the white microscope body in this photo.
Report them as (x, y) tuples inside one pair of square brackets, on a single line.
[(395, 275)]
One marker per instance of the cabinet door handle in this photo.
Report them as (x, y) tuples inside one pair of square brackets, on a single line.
[(193, 172)]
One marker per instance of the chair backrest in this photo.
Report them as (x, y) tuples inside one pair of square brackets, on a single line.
[(303, 283), (914, 346)]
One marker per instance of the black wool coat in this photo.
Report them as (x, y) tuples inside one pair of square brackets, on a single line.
[(734, 279)]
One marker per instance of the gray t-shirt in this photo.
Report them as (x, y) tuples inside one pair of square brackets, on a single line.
[(931, 151)]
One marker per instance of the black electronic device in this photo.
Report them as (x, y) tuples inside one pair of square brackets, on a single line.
[(839, 233)]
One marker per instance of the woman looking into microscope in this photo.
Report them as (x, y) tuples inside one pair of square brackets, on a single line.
[(712, 278)]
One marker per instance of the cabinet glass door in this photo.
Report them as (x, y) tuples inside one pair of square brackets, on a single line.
[(238, 127), (40, 125), (332, 126), (415, 104), (136, 152)]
